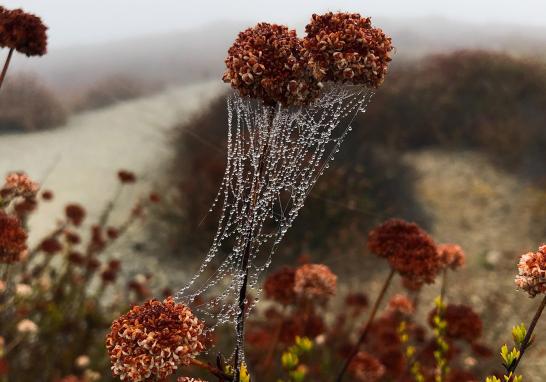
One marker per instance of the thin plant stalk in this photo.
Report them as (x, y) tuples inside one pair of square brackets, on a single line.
[(373, 313), (527, 340), (240, 329), (6, 66)]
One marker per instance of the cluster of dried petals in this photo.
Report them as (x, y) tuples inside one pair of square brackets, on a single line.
[(13, 239), (75, 213), (462, 322), (408, 248), (451, 255), (366, 368), (532, 272), (126, 177), (19, 184), (152, 340), (402, 304), (265, 62), (344, 47), (279, 286), (315, 281), (23, 32)]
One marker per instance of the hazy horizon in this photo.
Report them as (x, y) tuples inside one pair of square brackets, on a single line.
[(98, 21)]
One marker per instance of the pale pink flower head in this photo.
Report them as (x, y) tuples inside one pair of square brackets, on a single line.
[(19, 184), (451, 255), (402, 304), (315, 281), (532, 272), (152, 340)]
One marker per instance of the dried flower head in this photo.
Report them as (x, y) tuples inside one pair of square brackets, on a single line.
[(451, 255), (126, 177), (315, 281), (345, 47), (408, 248), (402, 304), (265, 62), (153, 339), (279, 286), (75, 213), (13, 239), (532, 272), (366, 368), (462, 322), (19, 184), (51, 245), (23, 32), (27, 326)]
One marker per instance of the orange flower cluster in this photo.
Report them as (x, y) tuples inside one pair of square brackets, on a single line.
[(532, 272), (345, 47), (366, 368), (462, 322), (23, 32), (402, 304), (265, 62), (13, 239), (408, 248), (315, 281), (451, 255), (271, 63), (153, 339), (19, 184)]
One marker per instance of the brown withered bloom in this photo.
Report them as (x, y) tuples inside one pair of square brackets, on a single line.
[(265, 62), (315, 281), (51, 245), (402, 304), (462, 322), (532, 272), (408, 248), (451, 255), (152, 340), (366, 368), (279, 286), (126, 177), (24, 32), (75, 213), (13, 239), (344, 47), (47, 195)]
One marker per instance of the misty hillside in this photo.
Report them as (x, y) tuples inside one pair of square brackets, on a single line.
[(196, 55)]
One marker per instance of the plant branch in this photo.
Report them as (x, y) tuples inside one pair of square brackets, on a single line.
[(373, 313), (211, 369), (6, 65)]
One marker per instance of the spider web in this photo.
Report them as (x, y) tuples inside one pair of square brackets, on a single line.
[(275, 155)]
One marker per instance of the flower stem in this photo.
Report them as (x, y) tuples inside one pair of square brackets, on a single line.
[(373, 313), (6, 65), (211, 369), (526, 341)]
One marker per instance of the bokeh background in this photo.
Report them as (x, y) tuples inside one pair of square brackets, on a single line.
[(455, 139)]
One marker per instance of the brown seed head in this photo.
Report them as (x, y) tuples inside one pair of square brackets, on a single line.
[(23, 32), (13, 239), (451, 255), (75, 213), (265, 62), (152, 340), (344, 47)]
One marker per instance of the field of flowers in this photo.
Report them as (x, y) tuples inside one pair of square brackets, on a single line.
[(278, 296)]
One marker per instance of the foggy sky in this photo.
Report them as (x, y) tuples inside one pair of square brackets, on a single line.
[(74, 22)]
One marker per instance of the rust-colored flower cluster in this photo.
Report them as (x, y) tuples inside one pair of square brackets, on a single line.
[(18, 184), (23, 32), (345, 47), (265, 62), (271, 63), (153, 339), (462, 322), (13, 239), (366, 368), (451, 255), (315, 281), (308, 281), (408, 248), (532, 272), (402, 304)]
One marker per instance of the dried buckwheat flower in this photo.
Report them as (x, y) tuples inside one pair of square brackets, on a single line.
[(313, 281), (152, 340), (532, 272), (366, 368), (279, 286), (75, 213), (451, 255), (13, 239), (23, 32)]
